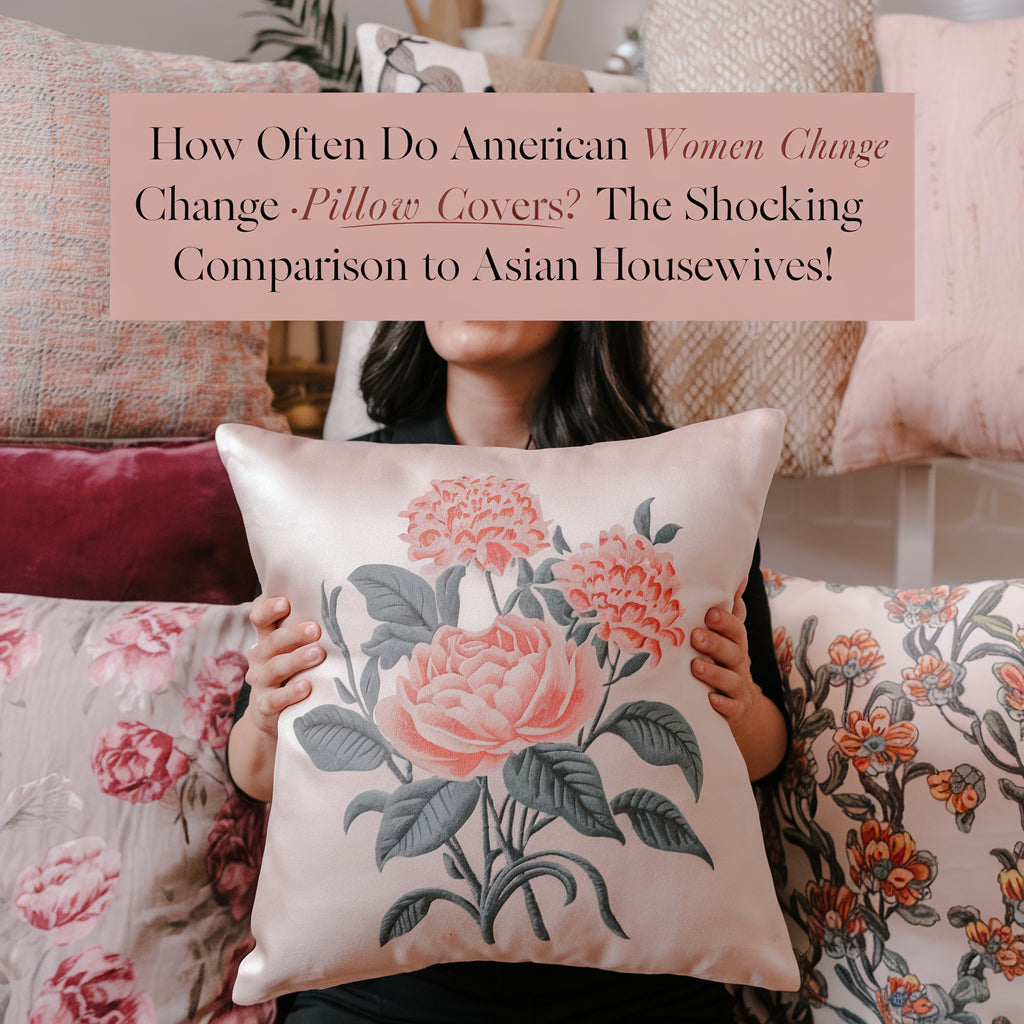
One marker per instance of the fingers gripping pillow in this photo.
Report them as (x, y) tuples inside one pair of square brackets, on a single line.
[(505, 755)]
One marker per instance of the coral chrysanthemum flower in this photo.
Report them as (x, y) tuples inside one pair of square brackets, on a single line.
[(962, 788), (932, 607), (854, 659), (629, 586), (833, 917), (999, 944), (885, 861), (475, 519), (931, 681), (876, 745), (906, 998), (1011, 693)]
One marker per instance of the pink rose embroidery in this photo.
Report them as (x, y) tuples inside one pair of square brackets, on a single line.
[(136, 763), (208, 713), (235, 852), (19, 648), (631, 588), (93, 988), (483, 520), (224, 1010), (65, 895), (471, 699), (140, 647)]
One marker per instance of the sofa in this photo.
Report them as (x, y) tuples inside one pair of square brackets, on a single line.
[(895, 828)]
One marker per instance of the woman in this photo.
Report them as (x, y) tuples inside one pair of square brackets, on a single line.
[(515, 384)]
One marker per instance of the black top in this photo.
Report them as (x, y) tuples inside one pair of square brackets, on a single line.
[(498, 992)]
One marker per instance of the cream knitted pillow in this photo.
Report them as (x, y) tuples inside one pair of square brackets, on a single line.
[(712, 369)]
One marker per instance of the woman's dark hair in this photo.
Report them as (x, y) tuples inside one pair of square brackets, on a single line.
[(600, 390)]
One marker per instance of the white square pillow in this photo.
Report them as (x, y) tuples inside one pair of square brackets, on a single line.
[(505, 755)]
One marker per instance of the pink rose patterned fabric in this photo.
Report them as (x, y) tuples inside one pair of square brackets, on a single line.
[(209, 712), (93, 988), (136, 763), (138, 652), (66, 894), (896, 829), (19, 647), (126, 861), (506, 736)]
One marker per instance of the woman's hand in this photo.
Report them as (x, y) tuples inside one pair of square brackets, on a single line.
[(276, 663), (724, 666), (277, 659)]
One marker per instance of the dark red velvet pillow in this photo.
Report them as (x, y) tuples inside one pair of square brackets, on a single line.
[(151, 523)]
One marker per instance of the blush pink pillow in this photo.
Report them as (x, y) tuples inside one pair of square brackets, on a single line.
[(505, 741), (66, 370), (949, 381), (148, 523)]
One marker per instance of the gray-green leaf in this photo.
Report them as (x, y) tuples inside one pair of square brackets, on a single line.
[(421, 817), (660, 735), (339, 740), (659, 823), (559, 779)]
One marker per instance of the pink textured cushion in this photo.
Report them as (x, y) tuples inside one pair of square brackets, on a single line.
[(66, 371), (506, 736), (154, 523), (127, 862), (949, 381)]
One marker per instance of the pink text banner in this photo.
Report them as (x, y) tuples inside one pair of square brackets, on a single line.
[(538, 206)]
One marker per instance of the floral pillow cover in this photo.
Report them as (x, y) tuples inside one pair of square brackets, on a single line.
[(897, 825), (127, 864), (505, 755)]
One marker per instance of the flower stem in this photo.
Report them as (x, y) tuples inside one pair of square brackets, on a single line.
[(494, 594), (532, 907)]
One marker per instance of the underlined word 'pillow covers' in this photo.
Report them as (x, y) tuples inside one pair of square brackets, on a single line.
[(505, 755)]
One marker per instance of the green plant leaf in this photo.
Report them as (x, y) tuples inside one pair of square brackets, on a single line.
[(448, 594), (996, 625), (969, 989), (558, 542), (339, 740), (633, 665), (405, 913), (642, 518), (666, 533), (561, 611), (660, 735), (369, 684), (395, 595), (371, 800), (560, 779), (659, 823), (919, 914), (855, 805), (530, 606), (393, 641), (999, 731), (421, 817), (961, 917)]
